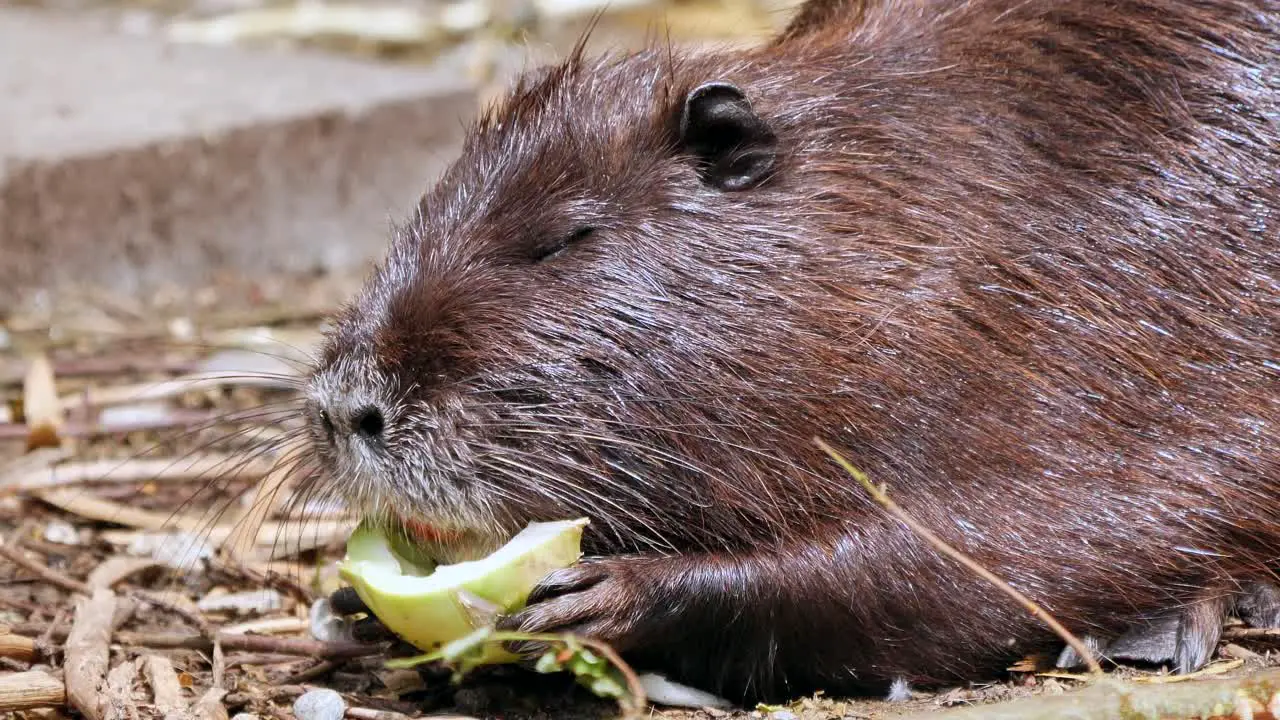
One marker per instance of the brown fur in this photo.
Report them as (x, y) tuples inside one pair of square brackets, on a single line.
[(1016, 259)]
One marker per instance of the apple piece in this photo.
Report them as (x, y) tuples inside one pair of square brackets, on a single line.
[(425, 604)]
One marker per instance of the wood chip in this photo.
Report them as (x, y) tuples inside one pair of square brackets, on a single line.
[(87, 653), (30, 690), (209, 706), (40, 403), (117, 696), (165, 689)]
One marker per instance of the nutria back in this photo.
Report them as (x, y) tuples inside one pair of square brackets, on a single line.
[(1016, 260)]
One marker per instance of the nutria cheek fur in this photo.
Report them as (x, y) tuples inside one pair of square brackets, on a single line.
[(1016, 260)]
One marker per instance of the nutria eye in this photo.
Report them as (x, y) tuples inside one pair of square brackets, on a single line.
[(546, 252)]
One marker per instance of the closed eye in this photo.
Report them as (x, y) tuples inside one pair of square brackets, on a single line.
[(543, 253)]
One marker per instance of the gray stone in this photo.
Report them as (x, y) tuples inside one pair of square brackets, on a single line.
[(319, 704)]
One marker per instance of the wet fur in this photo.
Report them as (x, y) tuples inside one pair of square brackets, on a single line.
[(1017, 260)]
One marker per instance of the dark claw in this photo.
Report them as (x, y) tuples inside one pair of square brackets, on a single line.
[(562, 582), (1259, 605), (1069, 658), (371, 630), (345, 601), (1186, 637)]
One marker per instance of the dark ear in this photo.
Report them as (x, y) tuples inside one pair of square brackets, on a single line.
[(736, 150)]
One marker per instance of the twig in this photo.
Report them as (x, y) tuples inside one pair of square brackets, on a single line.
[(219, 664), (1081, 649), (1241, 633), (269, 578), (30, 690), (117, 568), (192, 616), (638, 699), (17, 647), (53, 577), (164, 389), (320, 669), (1253, 696), (87, 655), (238, 643), (267, 626), (195, 467), (173, 418), (280, 539)]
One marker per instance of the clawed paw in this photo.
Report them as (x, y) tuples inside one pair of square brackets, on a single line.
[(345, 602), (1186, 637), (606, 599)]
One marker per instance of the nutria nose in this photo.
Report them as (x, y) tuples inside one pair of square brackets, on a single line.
[(368, 423), (365, 422)]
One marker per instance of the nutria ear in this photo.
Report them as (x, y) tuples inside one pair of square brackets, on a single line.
[(735, 147)]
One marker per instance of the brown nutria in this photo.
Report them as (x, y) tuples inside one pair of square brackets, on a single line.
[(1016, 259)]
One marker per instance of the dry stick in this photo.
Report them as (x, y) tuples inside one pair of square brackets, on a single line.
[(1236, 633), (240, 643), (30, 690), (53, 577), (228, 467), (638, 698), (1255, 696), (963, 559), (87, 653), (219, 664), (96, 508), (173, 419), (17, 647), (192, 616)]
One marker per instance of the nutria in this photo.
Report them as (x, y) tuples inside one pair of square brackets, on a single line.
[(1015, 259)]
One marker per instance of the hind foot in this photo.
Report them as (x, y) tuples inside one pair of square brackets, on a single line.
[(1186, 636)]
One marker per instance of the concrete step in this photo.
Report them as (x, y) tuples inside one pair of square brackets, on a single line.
[(130, 164)]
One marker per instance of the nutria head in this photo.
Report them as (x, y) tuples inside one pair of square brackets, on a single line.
[(594, 312)]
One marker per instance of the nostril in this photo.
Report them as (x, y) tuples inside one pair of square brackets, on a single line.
[(326, 423), (369, 423)]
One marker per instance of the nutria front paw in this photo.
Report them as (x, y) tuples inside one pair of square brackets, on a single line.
[(345, 602), (613, 600)]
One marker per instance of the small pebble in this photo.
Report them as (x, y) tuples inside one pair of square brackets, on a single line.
[(782, 715), (244, 716), (61, 532), (5, 340), (181, 328), (319, 704)]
